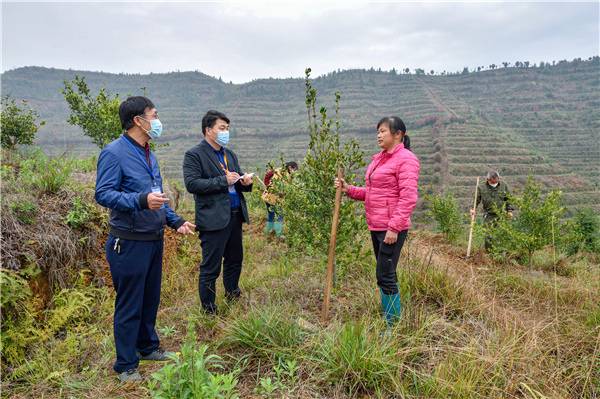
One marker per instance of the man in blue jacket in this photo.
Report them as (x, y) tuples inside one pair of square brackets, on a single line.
[(129, 183)]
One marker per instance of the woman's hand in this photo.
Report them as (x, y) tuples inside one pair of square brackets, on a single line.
[(341, 183), (390, 237)]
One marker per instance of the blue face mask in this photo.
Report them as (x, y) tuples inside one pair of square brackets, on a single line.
[(155, 128), (223, 137)]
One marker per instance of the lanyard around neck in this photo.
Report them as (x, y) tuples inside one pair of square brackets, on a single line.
[(226, 166), (147, 166)]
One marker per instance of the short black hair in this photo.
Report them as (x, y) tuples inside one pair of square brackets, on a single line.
[(132, 107), (394, 123), (210, 119), (292, 165)]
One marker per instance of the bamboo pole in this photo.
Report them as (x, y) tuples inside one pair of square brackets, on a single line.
[(331, 255), (472, 219)]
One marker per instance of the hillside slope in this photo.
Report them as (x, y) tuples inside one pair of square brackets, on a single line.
[(542, 121)]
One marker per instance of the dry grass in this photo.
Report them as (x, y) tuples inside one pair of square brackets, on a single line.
[(470, 329)]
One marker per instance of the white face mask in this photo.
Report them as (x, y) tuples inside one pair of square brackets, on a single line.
[(493, 185)]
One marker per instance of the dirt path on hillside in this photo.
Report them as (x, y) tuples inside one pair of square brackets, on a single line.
[(436, 99), (439, 132)]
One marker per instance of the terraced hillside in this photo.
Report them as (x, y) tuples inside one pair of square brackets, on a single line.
[(543, 121)]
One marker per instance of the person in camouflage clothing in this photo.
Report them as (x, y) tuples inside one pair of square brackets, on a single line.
[(494, 197)]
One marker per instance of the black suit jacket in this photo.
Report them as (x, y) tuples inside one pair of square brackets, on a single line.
[(205, 178)]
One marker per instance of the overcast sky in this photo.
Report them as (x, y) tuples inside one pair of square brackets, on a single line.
[(249, 40)]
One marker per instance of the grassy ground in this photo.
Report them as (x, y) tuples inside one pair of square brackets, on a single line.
[(469, 329)]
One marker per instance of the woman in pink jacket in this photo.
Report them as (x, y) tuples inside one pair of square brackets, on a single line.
[(390, 196)]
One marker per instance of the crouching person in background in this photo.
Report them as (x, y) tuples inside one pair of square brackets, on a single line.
[(129, 183)]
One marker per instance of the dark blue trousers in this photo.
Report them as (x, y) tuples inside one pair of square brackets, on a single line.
[(136, 270)]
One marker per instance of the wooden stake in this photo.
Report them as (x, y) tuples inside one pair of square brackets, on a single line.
[(472, 219), (331, 256)]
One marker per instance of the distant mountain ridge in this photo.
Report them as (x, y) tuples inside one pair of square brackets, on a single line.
[(539, 120)]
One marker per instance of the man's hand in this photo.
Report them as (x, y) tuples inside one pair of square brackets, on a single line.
[(187, 228), (341, 183), (156, 200), (247, 179), (510, 215), (472, 212), (390, 237), (232, 177)]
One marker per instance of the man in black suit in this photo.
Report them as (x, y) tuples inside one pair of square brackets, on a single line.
[(212, 173)]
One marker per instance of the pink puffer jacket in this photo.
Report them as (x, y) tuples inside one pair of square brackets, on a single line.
[(390, 194)]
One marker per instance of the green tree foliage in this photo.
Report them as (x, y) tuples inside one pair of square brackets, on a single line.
[(19, 124), (98, 117), (582, 233), (587, 226), (536, 225), (309, 195), (443, 208)]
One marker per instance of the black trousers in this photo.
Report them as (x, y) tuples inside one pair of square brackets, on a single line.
[(387, 256), (221, 247), (136, 269)]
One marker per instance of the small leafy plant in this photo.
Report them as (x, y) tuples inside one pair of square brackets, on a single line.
[(193, 374)]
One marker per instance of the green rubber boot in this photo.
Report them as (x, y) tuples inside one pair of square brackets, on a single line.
[(269, 228), (392, 307)]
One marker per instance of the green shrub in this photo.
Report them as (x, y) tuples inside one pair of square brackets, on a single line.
[(81, 213), (309, 195), (582, 232), (25, 211), (19, 125), (536, 224), (191, 375), (445, 211)]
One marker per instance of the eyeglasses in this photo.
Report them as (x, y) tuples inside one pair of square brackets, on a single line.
[(153, 116)]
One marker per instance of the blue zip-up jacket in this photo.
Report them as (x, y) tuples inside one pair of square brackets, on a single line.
[(123, 182)]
